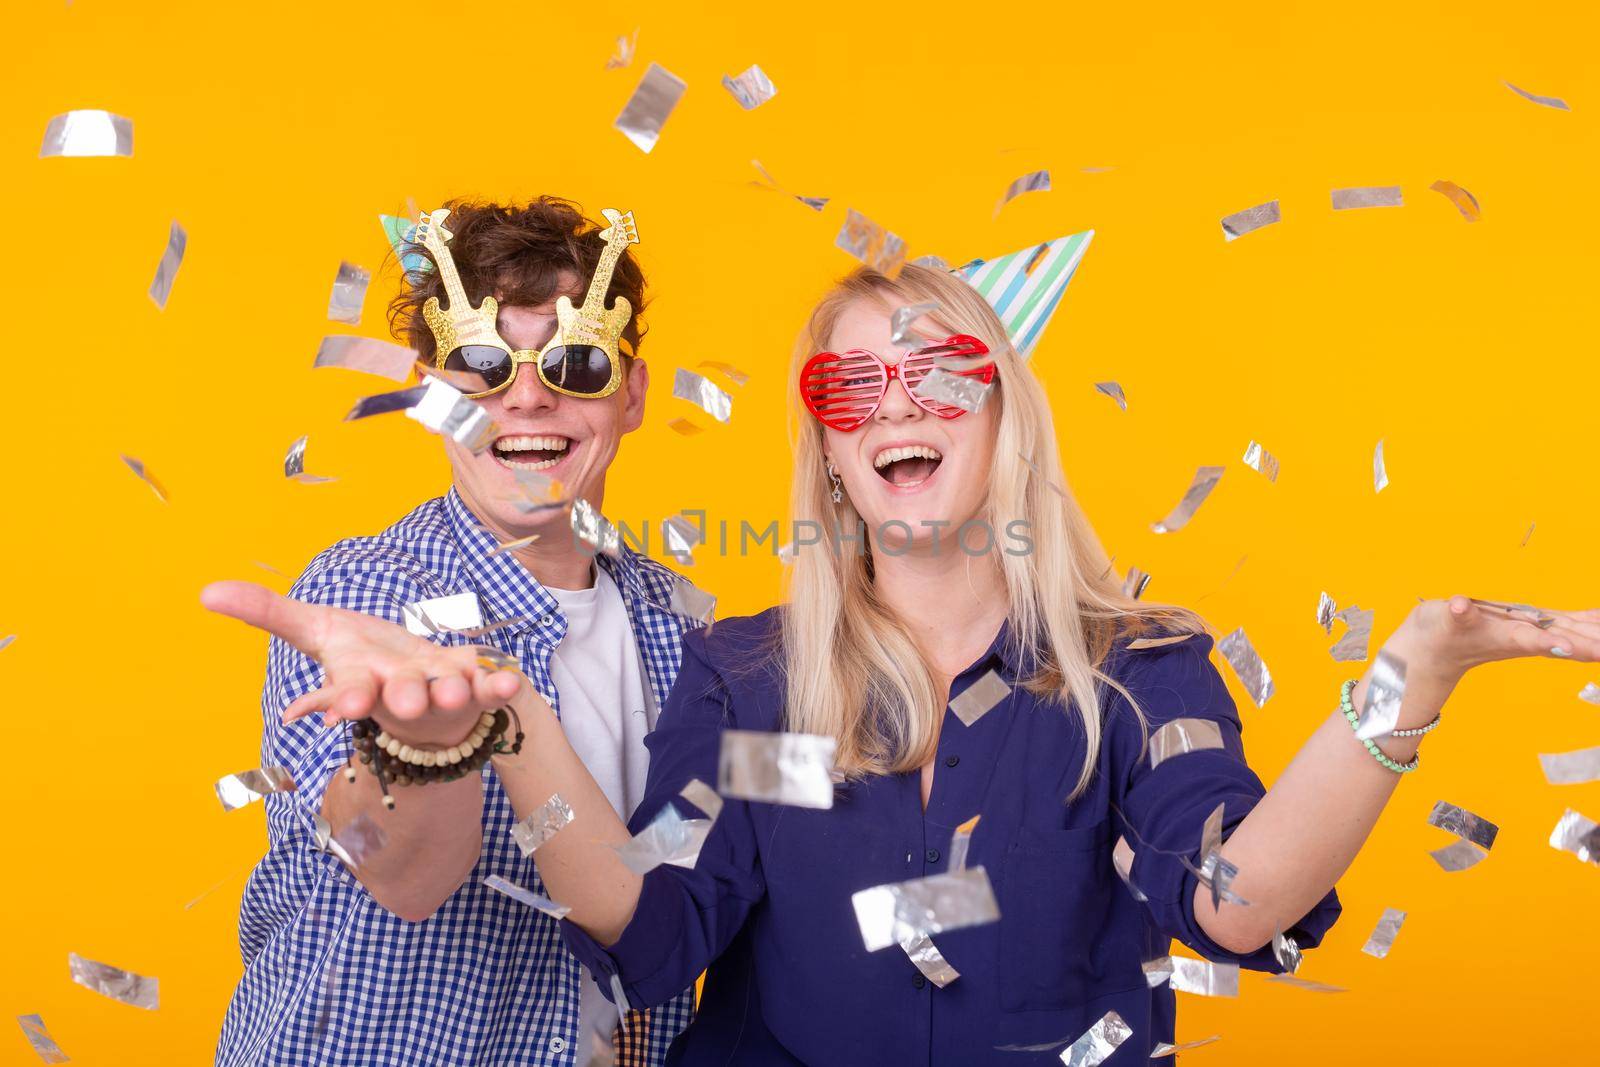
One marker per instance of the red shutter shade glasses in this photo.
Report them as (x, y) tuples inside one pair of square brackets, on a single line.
[(843, 389)]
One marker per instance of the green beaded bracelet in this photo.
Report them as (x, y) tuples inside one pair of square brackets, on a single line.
[(1372, 746)]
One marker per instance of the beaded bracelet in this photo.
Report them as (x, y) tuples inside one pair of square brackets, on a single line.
[(398, 763), (1372, 746)]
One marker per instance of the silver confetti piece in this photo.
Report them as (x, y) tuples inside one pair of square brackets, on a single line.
[(1352, 647), (879, 249), (1304, 983), (691, 601), (512, 546), (1248, 665), (137, 466), (43, 1044), (1039, 473), (1134, 585), (1590, 693), (1205, 978), (1181, 736), (1458, 856), (1240, 223), (1122, 857), (533, 900), (349, 293), (1205, 480), (1367, 196), (540, 492), (1464, 201), (1286, 951), (1382, 939), (542, 823), (931, 262), (960, 843), (294, 465), (1528, 536), (624, 53), (1037, 181), (752, 88), (681, 537), (1164, 1048), (1217, 875), (1098, 1042), (1380, 473), (777, 768), (703, 797), (815, 203), (669, 839), (897, 912), (237, 790), (1114, 391), (444, 410), (1463, 824), (1571, 768), (1325, 612), (594, 529), (979, 698), (167, 269), (901, 335), (649, 106), (384, 403), (1578, 835), (703, 393), (956, 390), (1538, 616), (1386, 689), (1157, 642), (927, 958), (88, 132), (1157, 972), (456, 612), (1260, 460), (368, 355), (620, 999), (353, 843), (1544, 101), (496, 659), (113, 982), (6, 640), (738, 376)]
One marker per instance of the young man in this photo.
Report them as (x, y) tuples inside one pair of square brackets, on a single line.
[(409, 958)]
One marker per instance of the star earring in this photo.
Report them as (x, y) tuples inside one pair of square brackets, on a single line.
[(838, 486)]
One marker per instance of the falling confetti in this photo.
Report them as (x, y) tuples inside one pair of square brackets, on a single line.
[(929, 961), (1325, 612), (542, 823), (1590, 692), (1114, 391), (897, 912), (87, 133), (649, 106), (1571, 768), (1261, 461), (703, 393), (349, 293), (737, 376), (237, 790), (1205, 480), (533, 900), (294, 465), (1037, 181), (1204, 978), (1164, 1048), (1578, 835), (815, 203), (690, 601), (443, 409), (113, 982), (669, 839), (879, 249), (1134, 585), (1157, 642), (1248, 665), (1458, 856), (1352, 647), (1098, 1042), (43, 1044), (752, 88), (6, 640), (901, 335), (455, 613), (138, 468), (777, 768), (623, 56), (167, 269), (368, 355), (1382, 939), (1544, 101), (955, 390), (1386, 689), (1182, 736), (979, 698), (1306, 984), (1286, 951), (1240, 223), (594, 529), (1367, 196), (1464, 201), (1380, 473)]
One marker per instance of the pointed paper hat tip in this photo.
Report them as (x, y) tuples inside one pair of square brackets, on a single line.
[(1025, 287)]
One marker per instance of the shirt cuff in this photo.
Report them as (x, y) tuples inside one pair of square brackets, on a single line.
[(647, 946)]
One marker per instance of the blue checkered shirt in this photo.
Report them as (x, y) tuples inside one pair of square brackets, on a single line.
[(333, 978)]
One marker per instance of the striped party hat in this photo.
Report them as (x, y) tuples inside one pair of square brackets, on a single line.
[(1025, 287)]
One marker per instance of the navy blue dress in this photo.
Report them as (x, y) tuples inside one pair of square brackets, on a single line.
[(767, 912)]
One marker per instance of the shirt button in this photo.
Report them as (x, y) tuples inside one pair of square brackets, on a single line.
[(951, 761), (933, 855), (919, 981), (558, 1044), (546, 620)]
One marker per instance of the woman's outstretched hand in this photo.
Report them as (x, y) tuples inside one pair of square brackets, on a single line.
[(1450, 637), (413, 688)]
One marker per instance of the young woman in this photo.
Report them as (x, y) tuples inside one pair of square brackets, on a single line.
[(878, 637)]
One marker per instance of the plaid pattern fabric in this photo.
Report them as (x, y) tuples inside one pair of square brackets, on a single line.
[(331, 978)]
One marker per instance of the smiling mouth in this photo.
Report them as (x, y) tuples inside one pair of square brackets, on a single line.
[(907, 466), (525, 453)]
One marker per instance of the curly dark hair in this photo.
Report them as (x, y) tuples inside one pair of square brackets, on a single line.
[(521, 252)]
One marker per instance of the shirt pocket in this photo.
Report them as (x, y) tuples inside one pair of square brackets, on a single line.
[(1058, 948)]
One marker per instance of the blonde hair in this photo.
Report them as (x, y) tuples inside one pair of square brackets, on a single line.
[(853, 670)]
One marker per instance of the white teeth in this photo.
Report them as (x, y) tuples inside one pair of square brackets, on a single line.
[(517, 464), (891, 455), (524, 442)]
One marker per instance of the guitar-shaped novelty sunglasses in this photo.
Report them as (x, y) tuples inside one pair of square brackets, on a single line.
[(581, 359)]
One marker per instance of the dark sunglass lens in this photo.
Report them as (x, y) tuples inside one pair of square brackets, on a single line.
[(578, 368), (491, 363)]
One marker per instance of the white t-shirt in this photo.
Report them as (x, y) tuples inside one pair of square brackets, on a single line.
[(605, 715)]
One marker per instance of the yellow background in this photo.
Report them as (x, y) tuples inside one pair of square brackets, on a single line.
[(276, 135)]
